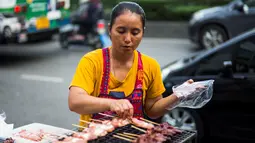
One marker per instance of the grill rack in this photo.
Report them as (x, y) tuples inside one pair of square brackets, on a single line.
[(178, 138), (184, 137)]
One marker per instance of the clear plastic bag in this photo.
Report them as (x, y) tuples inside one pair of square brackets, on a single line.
[(2, 115), (194, 95), (5, 129)]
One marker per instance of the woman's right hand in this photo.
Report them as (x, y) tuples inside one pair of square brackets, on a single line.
[(123, 108)]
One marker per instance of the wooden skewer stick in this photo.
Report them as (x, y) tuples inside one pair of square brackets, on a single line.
[(106, 115), (123, 138), (79, 126), (149, 121), (130, 134), (138, 129), (132, 137), (85, 121)]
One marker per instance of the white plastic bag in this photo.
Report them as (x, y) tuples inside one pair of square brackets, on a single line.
[(5, 129), (194, 95)]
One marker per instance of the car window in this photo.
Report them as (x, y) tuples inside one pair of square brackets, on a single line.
[(242, 55), (213, 64), (250, 3), (7, 15), (244, 58)]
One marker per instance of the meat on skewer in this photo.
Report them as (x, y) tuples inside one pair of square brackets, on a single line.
[(84, 136), (166, 125), (118, 122), (147, 138), (95, 131), (142, 124), (105, 125), (164, 129)]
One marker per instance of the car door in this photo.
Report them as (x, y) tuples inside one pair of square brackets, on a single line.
[(243, 115), (230, 113)]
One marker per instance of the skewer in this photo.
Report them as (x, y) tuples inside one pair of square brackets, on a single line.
[(138, 129), (106, 115), (149, 121), (123, 138), (79, 126), (96, 120), (130, 134), (132, 137), (85, 121)]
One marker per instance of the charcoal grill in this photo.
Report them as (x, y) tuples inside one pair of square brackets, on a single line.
[(184, 137)]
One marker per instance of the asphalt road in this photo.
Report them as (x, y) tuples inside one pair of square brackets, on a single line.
[(34, 78)]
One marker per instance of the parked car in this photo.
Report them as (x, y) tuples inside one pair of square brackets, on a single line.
[(213, 26), (10, 26), (230, 113)]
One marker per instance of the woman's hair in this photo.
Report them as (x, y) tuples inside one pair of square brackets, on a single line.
[(121, 7)]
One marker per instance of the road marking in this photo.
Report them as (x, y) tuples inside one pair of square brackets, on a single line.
[(41, 78)]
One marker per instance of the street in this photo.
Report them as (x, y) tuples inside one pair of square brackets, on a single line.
[(34, 78)]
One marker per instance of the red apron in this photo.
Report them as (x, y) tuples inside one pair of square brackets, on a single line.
[(136, 97)]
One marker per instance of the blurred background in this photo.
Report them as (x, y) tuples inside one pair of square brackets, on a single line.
[(42, 41)]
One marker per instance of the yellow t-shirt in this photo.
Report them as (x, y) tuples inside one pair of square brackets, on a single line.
[(89, 73)]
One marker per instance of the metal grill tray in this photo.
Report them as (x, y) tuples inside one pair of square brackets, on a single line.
[(178, 138)]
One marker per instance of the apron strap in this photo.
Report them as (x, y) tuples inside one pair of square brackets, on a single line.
[(140, 73), (106, 72)]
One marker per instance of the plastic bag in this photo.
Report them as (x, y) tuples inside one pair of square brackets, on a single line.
[(5, 129), (194, 95), (2, 115)]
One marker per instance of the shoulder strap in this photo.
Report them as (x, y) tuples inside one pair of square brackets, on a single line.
[(140, 73), (106, 72)]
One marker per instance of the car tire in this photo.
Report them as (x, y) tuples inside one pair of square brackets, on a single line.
[(212, 35), (63, 42), (190, 116), (7, 33)]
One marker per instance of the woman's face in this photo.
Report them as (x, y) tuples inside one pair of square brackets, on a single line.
[(127, 32)]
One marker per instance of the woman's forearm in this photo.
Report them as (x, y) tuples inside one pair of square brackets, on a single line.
[(159, 108), (81, 103)]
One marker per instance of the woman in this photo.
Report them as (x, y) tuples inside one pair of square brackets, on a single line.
[(119, 79)]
